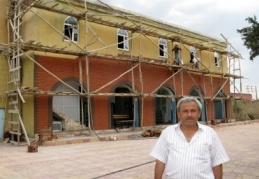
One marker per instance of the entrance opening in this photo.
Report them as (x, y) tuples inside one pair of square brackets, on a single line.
[(198, 94), (122, 109), (219, 107), (68, 111), (165, 108)]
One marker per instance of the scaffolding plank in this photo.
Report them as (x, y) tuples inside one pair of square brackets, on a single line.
[(13, 122), (13, 111), (18, 55), (14, 142), (13, 102), (15, 69), (15, 133)]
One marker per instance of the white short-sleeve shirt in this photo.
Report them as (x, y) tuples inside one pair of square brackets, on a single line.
[(189, 160)]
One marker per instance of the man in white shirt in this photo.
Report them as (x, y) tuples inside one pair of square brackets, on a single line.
[(189, 150)]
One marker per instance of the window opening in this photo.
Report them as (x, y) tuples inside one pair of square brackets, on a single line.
[(123, 42), (71, 29), (216, 58), (163, 52), (193, 58), (192, 54)]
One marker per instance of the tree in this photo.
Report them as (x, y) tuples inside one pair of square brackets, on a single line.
[(250, 36)]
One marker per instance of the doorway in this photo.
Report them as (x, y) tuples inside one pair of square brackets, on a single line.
[(126, 106), (219, 107), (198, 94), (71, 106), (165, 107)]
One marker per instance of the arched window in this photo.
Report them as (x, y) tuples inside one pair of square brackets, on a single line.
[(123, 42), (163, 52), (71, 29)]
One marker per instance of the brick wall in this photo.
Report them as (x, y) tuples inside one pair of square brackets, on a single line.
[(103, 71)]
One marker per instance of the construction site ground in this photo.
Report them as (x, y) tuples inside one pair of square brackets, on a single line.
[(122, 155)]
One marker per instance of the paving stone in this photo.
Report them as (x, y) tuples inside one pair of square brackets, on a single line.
[(121, 158)]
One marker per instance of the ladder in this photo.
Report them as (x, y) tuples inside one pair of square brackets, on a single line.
[(14, 96)]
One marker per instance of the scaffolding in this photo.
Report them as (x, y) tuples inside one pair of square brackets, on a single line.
[(18, 48)]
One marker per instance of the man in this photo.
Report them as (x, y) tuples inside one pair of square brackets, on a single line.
[(189, 150), (176, 51)]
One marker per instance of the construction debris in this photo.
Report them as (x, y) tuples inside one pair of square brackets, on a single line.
[(151, 133), (32, 148)]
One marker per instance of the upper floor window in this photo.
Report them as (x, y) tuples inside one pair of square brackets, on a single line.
[(123, 42), (216, 58), (71, 29), (192, 54), (163, 52), (193, 58)]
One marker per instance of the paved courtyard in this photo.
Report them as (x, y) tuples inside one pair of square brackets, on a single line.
[(122, 159)]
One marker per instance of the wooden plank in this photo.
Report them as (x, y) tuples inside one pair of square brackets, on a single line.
[(16, 56), (16, 133), (13, 81), (125, 121), (122, 120), (14, 69), (14, 111), (13, 102), (120, 116), (14, 142), (13, 122)]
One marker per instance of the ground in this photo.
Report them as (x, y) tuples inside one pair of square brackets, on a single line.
[(123, 159)]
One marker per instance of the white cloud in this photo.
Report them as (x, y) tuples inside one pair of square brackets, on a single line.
[(234, 6)]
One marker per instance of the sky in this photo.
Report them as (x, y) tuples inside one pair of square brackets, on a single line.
[(209, 17)]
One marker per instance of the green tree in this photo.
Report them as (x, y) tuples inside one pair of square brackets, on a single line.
[(250, 36)]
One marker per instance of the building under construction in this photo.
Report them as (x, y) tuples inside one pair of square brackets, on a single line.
[(81, 65)]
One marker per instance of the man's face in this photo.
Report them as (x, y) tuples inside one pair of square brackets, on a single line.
[(189, 114)]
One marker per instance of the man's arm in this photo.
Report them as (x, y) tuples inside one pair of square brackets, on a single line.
[(159, 169), (217, 170)]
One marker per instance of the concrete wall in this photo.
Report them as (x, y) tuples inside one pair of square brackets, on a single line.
[(36, 28), (252, 107)]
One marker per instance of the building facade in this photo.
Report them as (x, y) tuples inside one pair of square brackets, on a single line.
[(89, 62)]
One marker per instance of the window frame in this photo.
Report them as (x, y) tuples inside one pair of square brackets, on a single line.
[(163, 48), (74, 30), (123, 40), (192, 53), (217, 60)]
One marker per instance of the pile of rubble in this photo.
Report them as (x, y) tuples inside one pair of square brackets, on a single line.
[(151, 133)]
